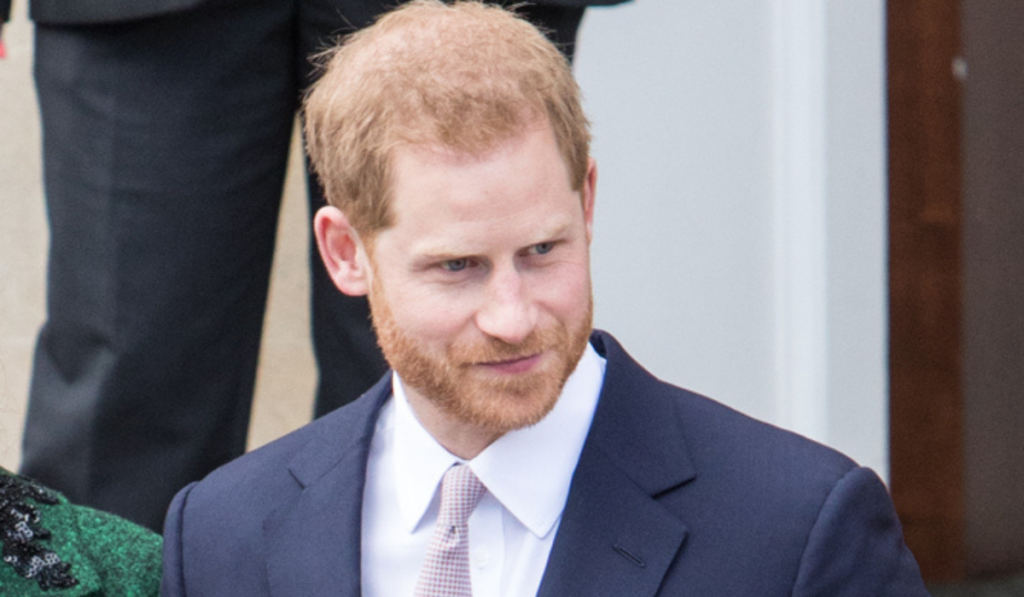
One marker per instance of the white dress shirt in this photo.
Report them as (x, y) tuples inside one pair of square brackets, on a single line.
[(527, 474)]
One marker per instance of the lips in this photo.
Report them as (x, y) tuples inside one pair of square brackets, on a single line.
[(514, 365)]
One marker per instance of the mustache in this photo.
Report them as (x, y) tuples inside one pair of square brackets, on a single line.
[(492, 350)]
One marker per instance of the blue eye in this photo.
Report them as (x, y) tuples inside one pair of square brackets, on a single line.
[(542, 248), (455, 265)]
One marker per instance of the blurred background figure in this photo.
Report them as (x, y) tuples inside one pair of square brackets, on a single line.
[(166, 127)]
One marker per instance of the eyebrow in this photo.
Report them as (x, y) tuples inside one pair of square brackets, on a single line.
[(445, 252)]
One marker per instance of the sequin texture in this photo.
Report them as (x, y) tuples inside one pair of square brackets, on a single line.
[(21, 534)]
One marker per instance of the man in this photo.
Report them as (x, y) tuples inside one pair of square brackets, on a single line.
[(511, 451), (166, 127)]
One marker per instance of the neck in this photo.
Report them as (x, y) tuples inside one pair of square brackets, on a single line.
[(462, 439)]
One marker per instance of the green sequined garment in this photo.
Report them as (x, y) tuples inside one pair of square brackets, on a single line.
[(54, 548)]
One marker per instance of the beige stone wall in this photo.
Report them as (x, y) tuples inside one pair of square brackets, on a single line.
[(23, 235)]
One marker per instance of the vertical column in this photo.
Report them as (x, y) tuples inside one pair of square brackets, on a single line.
[(925, 282), (799, 212)]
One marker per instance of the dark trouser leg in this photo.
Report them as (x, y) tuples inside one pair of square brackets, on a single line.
[(348, 358), (165, 143), (345, 346)]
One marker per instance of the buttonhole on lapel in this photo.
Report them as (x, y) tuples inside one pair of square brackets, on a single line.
[(632, 558)]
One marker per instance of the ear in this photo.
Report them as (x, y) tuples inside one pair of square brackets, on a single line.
[(342, 251), (588, 192)]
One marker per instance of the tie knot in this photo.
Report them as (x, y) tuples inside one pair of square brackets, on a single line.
[(460, 493)]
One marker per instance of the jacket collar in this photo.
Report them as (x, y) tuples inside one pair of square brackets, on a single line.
[(614, 538), (320, 530)]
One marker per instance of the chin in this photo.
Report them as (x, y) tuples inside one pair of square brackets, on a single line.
[(506, 411), (504, 403)]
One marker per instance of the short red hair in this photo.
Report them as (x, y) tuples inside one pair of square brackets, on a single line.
[(465, 76)]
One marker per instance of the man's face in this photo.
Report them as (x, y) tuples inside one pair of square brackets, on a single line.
[(480, 292)]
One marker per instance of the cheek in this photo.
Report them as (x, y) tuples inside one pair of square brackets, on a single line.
[(434, 317), (567, 293)]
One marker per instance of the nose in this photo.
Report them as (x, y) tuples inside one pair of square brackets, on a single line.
[(506, 313)]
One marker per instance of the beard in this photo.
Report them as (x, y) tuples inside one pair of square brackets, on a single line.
[(456, 383)]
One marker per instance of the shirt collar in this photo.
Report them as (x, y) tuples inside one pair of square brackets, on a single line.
[(528, 470)]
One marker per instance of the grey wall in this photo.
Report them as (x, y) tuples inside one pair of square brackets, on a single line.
[(740, 229)]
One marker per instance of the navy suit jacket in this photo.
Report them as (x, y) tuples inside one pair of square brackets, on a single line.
[(674, 494)]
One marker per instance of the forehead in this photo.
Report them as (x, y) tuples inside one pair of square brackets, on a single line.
[(515, 190)]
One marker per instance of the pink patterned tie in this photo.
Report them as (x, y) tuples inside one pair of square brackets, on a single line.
[(445, 572)]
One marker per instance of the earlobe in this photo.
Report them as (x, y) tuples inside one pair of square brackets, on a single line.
[(342, 251)]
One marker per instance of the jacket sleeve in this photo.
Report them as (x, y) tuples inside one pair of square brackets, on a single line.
[(124, 556), (173, 584), (856, 546)]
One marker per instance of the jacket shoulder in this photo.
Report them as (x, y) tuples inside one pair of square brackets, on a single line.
[(126, 556), (216, 529), (768, 512), (717, 440), (59, 12), (296, 458)]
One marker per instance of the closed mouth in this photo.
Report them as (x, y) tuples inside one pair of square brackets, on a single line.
[(513, 365)]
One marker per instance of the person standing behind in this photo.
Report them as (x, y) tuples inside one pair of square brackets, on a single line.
[(166, 127)]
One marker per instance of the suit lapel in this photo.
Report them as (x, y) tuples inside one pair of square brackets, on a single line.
[(614, 538), (321, 528)]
